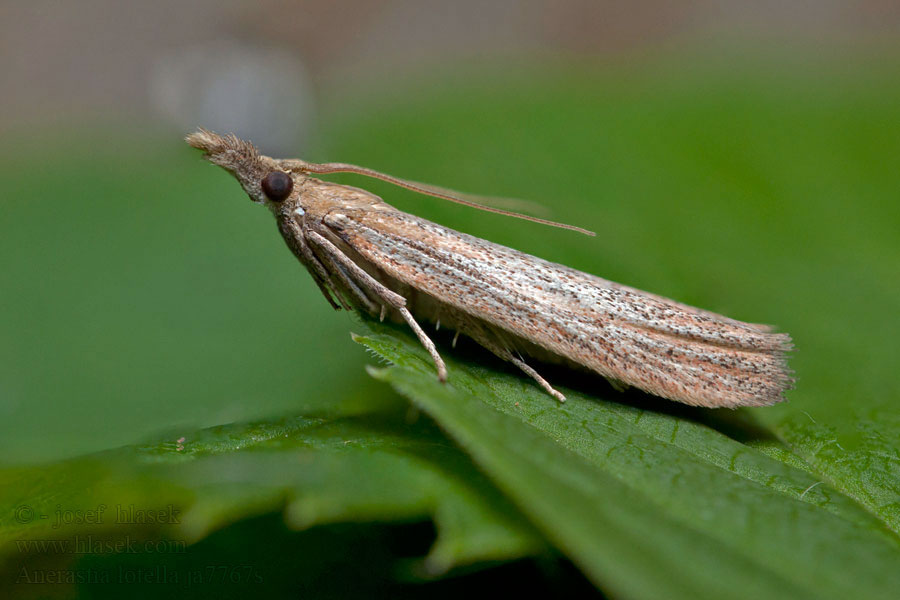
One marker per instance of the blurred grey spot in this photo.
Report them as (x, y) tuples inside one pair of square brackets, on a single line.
[(261, 94)]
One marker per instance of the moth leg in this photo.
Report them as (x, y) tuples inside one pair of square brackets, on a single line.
[(617, 384), (394, 299), (312, 263), (326, 291), (351, 285), (378, 288), (534, 375), (484, 337), (426, 341), (325, 285)]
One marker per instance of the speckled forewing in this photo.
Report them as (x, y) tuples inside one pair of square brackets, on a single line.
[(655, 344)]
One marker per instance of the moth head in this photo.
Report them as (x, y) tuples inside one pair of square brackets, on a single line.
[(260, 176)]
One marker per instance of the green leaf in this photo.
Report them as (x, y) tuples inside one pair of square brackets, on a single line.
[(650, 500), (858, 460), (317, 470)]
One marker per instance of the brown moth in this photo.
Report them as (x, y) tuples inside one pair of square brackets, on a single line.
[(366, 255)]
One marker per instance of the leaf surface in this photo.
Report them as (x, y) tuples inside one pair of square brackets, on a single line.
[(648, 500)]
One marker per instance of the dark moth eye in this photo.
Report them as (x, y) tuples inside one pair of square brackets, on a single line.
[(277, 185)]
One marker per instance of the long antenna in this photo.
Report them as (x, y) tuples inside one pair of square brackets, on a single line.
[(422, 188)]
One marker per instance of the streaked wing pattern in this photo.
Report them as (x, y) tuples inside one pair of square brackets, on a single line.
[(664, 347)]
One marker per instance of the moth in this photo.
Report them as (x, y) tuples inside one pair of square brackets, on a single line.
[(366, 255)]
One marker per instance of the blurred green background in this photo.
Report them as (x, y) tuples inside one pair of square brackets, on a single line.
[(742, 160)]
